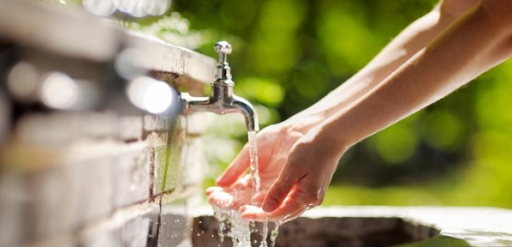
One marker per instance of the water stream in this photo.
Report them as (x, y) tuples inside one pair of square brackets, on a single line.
[(254, 164), (231, 223)]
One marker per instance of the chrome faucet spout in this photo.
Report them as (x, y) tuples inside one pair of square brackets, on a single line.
[(222, 99), (247, 110)]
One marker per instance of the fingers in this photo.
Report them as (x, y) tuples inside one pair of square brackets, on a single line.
[(229, 197), (236, 169), (220, 197), (293, 206), (280, 189)]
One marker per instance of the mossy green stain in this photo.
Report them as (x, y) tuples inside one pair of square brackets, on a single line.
[(172, 156)]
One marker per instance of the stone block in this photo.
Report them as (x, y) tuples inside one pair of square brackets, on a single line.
[(155, 123), (194, 166), (65, 241), (101, 238), (63, 128), (175, 157), (130, 128), (134, 233), (52, 200), (132, 227), (174, 167), (92, 181), (94, 125), (12, 197), (197, 123), (132, 176), (175, 226), (62, 198), (159, 154), (167, 157)]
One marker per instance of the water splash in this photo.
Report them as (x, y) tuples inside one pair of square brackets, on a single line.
[(264, 234), (233, 226), (231, 223), (273, 234)]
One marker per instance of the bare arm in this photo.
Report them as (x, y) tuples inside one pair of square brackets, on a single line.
[(411, 40), (476, 42)]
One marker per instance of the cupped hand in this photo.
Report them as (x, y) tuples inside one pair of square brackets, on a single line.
[(295, 172), (234, 189), (302, 183)]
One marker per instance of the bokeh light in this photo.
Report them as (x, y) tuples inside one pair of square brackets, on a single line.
[(99, 7), (149, 94), (59, 91), (135, 8), (22, 81)]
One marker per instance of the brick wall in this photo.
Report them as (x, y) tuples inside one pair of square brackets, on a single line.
[(100, 179)]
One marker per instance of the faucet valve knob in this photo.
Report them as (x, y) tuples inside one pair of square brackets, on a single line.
[(223, 48)]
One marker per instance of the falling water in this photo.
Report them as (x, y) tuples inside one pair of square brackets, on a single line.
[(264, 234), (273, 234), (231, 223), (233, 226), (253, 157)]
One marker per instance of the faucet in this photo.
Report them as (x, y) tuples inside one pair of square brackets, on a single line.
[(222, 100)]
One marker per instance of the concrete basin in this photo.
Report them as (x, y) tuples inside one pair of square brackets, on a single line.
[(383, 226)]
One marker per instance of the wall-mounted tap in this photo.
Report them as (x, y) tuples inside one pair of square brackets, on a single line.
[(222, 100)]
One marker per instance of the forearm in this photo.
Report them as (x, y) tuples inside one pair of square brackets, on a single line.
[(475, 43), (412, 39)]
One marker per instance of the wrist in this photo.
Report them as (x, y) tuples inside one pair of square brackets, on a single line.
[(303, 122), (326, 143)]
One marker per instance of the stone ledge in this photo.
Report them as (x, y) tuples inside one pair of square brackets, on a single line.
[(334, 226), (75, 33)]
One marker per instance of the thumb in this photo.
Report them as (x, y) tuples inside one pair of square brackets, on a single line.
[(280, 188)]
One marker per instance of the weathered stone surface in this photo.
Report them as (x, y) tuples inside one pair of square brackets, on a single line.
[(159, 168), (65, 241), (52, 201), (64, 197), (130, 128), (383, 226), (167, 159), (155, 123), (64, 128), (101, 238), (197, 123), (194, 161), (175, 159), (76, 34), (175, 226), (128, 227), (134, 233), (158, 148), (132, 176), (12, 198), (92, 183)]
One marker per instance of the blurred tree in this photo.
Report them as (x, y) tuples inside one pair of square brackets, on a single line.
[(290, 53)]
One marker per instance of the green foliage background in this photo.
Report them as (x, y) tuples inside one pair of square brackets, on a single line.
[(290, 53)]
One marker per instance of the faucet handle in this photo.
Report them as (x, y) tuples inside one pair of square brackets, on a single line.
[(223, 48)]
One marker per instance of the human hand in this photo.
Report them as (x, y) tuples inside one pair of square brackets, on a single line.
[(302, 182), (295, 171), (233, 189)]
